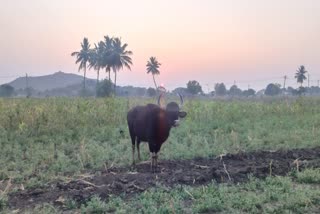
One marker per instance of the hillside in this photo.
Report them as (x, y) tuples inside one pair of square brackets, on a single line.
[(48, 82)]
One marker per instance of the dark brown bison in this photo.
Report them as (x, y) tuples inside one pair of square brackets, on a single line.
[(152, 123)]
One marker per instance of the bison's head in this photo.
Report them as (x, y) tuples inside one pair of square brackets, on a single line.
[(173, 111)]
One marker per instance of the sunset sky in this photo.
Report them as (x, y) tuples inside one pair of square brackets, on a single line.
[(252, 42)]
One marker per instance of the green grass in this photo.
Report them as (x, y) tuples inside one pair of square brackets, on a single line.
[(44, 139), (86, 134)]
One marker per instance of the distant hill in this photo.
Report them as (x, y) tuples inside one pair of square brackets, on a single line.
[(49, 82)]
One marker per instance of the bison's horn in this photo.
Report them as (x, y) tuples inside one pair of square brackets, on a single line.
[(181, 99)]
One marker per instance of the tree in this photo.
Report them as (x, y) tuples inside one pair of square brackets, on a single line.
[(300, 74), (194, 87), (249, 92), (118, 58), (96, 59), (104, 88), (180, 90), (108, 42), (6, 90), (153, 68), (272, 89), (83, 57), (235, 91), (220, 89), (151, 92)]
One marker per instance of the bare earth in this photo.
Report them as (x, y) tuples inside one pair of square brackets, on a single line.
[(233, 168)]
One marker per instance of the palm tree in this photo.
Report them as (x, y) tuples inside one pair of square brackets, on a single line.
[(119, 58), (300, 75), (153, 68), (83, 57), (108, 41), (96, 60)]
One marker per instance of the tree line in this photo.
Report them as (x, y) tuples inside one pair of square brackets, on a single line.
[(109, 54), (272, 89)]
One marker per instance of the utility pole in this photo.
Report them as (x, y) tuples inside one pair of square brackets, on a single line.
[(308, 80), (248, 87), (27, 85), (284, 82), (318, 83)]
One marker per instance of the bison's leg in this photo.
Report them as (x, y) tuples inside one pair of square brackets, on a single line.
[(153, 161), (156, 160), (157, 149), (133, 149), (152, 147), (133, 160), (138, 148)]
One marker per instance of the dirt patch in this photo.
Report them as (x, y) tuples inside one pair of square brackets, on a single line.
[(123, 181)]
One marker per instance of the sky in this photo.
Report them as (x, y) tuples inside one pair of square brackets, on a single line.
[(249, 42)]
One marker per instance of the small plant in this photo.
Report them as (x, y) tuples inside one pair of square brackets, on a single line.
[(95, 205), (310, 176), (45, 209), (3, 202), (71, 204)]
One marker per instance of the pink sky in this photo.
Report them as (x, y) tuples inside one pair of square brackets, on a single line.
[(252, 42)]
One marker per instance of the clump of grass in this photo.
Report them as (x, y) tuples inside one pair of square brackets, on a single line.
[(95, 205), (45, 208), (3, 202), (309, 176)]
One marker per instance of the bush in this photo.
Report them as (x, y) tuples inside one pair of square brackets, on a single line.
[(6, 90), (151, 92), (104, 88), (272, 89)]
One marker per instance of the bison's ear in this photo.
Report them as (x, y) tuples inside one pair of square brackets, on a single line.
[(182, 114)]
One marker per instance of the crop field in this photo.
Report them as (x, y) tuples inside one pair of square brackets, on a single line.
[(60, 155)]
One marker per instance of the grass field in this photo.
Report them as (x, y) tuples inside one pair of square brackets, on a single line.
[(46, 139)]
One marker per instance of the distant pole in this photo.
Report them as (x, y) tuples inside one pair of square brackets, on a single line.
[(248, 87), (234, 82), (284, 82), (318, 83), (308, 80), (27, 85)]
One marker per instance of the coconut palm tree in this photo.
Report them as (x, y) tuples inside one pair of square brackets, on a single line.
[(83, 57), (108, 41), (300, 75), (153, 68), (119, 58), (96, 60)]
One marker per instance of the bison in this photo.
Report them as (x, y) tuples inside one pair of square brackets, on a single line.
[(152, 123)]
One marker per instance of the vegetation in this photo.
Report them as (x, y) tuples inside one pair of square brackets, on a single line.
[(45, 139), (273, 195), (194, 87), (301, 74), (104, 88), (6, 90), (108, 54), (151, 92), (83, 57), (220, 89), (50, 137), (119, 58), (153, 67), (273, 89), (235, 91)]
